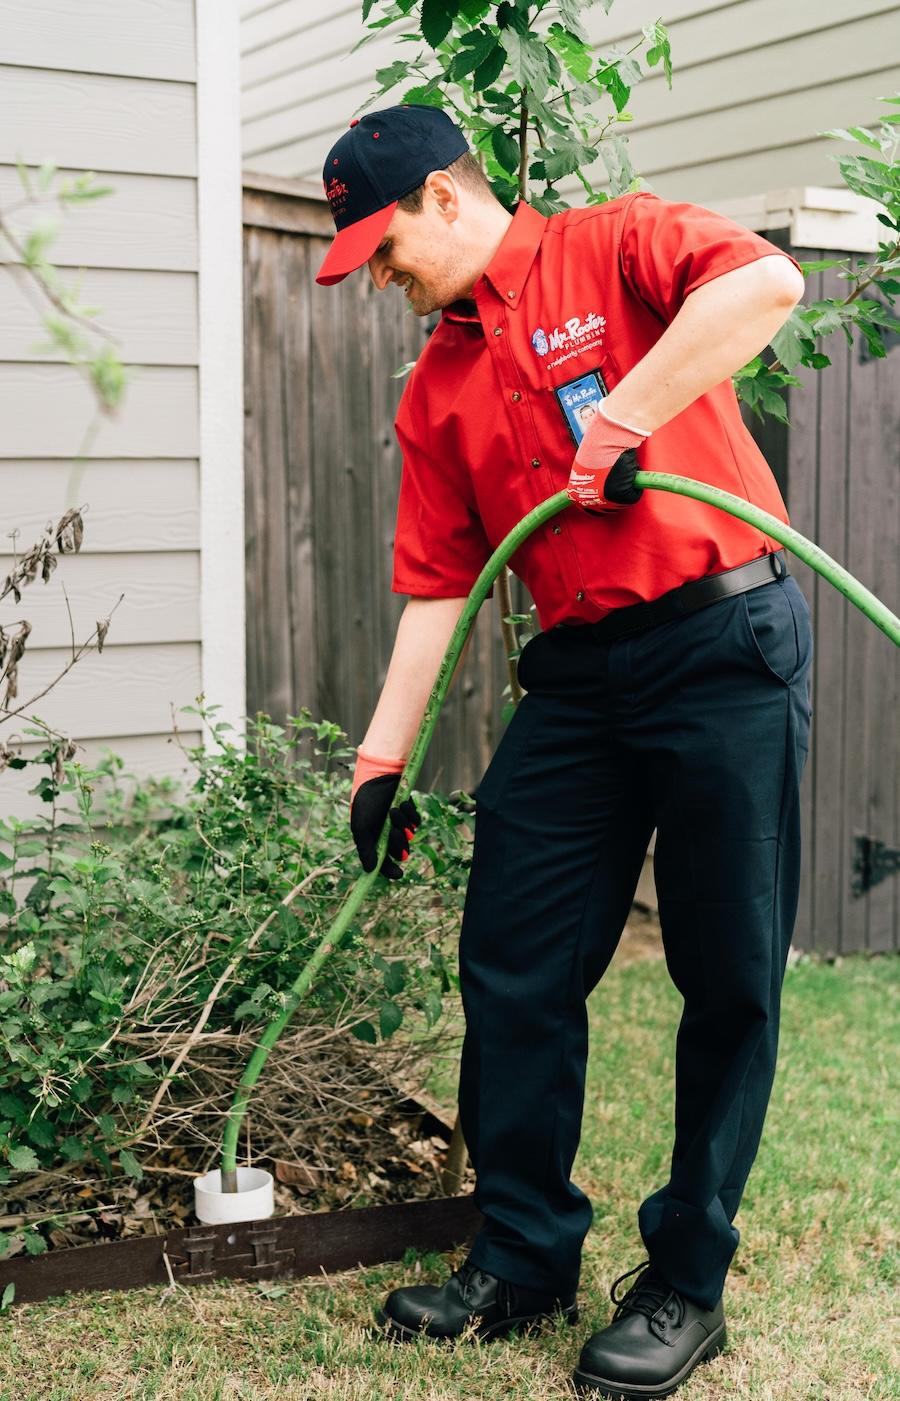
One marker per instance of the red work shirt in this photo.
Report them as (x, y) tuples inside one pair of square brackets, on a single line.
[(485, 438)]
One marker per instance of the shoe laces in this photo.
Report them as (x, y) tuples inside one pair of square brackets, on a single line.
[(469, 1273), (650, 1295)]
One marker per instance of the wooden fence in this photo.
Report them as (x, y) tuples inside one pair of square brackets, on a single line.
[(322, 477)]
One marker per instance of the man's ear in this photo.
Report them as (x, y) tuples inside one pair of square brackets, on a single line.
[(442, 189)]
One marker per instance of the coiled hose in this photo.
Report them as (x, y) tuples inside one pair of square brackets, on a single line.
[(805, 549)]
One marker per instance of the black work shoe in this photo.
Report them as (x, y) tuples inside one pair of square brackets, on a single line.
[(496, 1306), (655, 1340)]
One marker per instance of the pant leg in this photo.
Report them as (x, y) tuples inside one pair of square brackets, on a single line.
[(562, 827), (725, 757)]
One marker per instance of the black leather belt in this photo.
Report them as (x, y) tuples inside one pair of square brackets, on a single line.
[(696, 593)]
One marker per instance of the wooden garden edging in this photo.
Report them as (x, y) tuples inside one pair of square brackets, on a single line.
[(281, 1247)]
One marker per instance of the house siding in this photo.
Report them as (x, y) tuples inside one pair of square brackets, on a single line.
[(109, 88)]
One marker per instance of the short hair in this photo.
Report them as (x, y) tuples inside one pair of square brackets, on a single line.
[(466, 170)]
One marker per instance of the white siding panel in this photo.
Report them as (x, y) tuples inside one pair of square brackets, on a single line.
[(152, 315), (712, 183), (808, 60), (141, 39), (161, 602), (282, 21), (148, 222), (120, 691), (45, 411), (139, 505), (755, 126), (144, 756), (310, 76), (97, 122)]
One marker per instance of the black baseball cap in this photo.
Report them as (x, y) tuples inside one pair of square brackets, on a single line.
[(380, 159)]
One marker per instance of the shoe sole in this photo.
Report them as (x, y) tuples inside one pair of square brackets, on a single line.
[(587, 1381), (529, 1323)]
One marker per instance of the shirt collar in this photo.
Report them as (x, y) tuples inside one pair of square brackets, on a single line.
[(508, 270)]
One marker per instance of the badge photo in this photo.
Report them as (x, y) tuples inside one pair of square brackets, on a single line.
[(578, 400)]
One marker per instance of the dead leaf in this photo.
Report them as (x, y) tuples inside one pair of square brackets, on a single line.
[(297, 1174)]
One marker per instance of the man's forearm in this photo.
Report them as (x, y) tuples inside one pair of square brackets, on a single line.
[(423, 633), (720, 327)]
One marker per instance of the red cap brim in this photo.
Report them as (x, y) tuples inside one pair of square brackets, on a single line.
[(354, 246)]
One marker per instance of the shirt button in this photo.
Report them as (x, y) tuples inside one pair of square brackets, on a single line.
[(580, 595), (557, 530), (498, 330), (511, 293), (515, 396), (535, 462)]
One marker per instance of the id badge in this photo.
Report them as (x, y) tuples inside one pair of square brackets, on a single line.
[(578, 400)]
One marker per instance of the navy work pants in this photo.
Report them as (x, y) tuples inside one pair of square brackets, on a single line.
[(698, 727)]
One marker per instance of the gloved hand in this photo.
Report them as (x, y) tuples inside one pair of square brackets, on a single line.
[(602, 476), (375, 781)]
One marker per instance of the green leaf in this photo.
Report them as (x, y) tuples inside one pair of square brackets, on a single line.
[(390, 1018), (34, 1243), (569, 9), (529, 61), (437, 18), (9, 1294), (392, 75), (489, 70), (788, 342), (130, 1164), (432, 1007), (611, 80), (365, 1031), (821, 264), (477, 46), (395, 977), (23, 1159), (854, 133), (575, 54), (506, 149), (657, 36), (428, 94)]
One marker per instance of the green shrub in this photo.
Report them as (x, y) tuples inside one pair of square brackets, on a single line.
[(149, 909)]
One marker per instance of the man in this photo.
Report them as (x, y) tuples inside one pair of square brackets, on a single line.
[(668, 689)]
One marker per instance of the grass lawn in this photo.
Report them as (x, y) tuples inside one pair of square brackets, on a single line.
[(811, 1300)]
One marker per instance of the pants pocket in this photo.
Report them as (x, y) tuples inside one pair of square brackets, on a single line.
[(777, 629)]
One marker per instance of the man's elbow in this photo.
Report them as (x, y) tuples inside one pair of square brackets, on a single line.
[(786, 282)]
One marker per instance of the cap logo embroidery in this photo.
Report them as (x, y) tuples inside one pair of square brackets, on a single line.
[(336, 193)]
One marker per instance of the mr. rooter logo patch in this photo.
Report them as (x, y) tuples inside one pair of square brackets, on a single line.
[(336, 193)]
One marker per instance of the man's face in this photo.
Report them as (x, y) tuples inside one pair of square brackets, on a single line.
[(421, 253)]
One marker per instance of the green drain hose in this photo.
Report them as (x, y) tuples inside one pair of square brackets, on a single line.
[(805, 549)]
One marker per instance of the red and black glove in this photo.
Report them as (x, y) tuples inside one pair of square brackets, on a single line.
[(375, 782), (605, 466)]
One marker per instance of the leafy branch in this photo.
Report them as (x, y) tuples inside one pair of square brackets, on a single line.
[(504, 70), (761, 384), (30, 265)]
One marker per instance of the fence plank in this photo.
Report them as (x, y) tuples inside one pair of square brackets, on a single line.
[(269, 685)]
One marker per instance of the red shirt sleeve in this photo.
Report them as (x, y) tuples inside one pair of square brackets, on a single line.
[(668, 249), (440, 546)]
